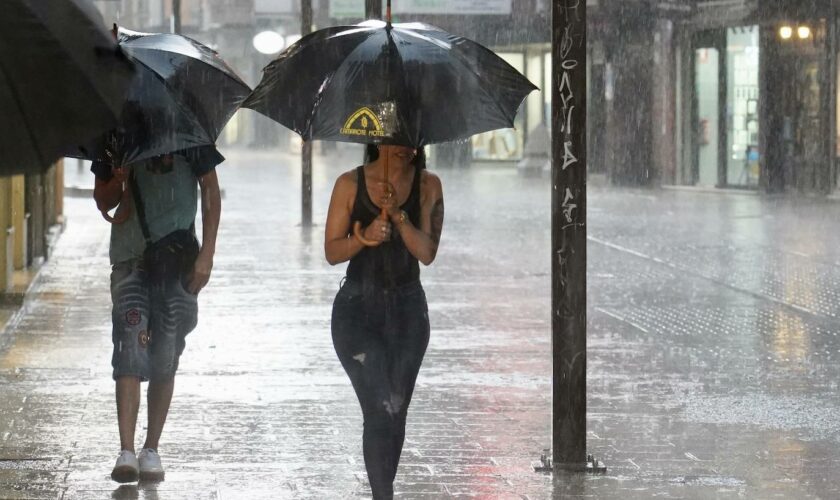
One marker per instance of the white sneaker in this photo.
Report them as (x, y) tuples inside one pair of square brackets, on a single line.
[(150, 466), (127, 468)]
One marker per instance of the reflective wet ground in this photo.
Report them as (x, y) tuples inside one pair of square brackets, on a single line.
[(713, 352)]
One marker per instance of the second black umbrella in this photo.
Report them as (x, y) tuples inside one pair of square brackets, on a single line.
[(181, 98)]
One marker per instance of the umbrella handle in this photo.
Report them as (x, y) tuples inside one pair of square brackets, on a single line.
[(120, 217), (359, 234), (357, 226)]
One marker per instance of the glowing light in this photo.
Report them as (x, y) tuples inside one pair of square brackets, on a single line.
[(803, 32), (269, 42), (786, 32)]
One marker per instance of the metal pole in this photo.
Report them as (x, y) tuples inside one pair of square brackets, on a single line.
[(568, 234), (306, 149), (176, 16)]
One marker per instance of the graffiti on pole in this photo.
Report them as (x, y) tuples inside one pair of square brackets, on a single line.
[(572, 38), (569, 232)]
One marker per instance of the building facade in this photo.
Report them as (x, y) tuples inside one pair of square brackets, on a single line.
[(737, 94)]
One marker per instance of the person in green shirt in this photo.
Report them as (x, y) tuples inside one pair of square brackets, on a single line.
[(152, 314)]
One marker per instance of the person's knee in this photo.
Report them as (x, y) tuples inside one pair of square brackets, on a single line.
[(127, 382), (161, 379), (384, 423), (377, 422), (163, 373)]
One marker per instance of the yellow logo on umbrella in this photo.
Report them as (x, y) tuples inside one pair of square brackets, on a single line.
[(363, 123)]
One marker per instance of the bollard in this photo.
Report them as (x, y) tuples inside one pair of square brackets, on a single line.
[(8, 261)]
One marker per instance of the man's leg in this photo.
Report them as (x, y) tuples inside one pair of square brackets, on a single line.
[(159, 397), (126, 469), (130, 359), (128, 404), (175, 315)]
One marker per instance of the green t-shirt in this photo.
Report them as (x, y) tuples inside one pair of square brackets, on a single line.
[(170, 198)]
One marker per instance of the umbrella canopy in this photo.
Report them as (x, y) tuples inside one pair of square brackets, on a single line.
[(182, 96), (410, 84), (62, 80)]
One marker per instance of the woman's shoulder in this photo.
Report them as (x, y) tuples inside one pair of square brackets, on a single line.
[(348, 177), (430, 180), (430, 187), (346, 184)]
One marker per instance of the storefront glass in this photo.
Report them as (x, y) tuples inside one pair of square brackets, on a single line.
[(707, 83), (742, 106)]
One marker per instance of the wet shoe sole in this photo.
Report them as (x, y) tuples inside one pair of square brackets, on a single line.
[(124, 474), (151, 476)]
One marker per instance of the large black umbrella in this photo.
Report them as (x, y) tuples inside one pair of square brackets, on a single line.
[(62, 80), (376, 82), (182, 96)]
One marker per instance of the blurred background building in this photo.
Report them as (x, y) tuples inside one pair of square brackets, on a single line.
[(715, 93), (710, 93)]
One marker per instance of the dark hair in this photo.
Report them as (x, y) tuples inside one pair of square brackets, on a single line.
[(419, 161), (371, 153)]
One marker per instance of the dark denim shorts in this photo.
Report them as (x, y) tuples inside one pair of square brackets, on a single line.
[(150, 322)]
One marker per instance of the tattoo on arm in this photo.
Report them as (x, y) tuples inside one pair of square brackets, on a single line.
[(437, 221)]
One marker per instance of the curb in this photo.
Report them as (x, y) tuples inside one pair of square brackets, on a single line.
[(13, 303)]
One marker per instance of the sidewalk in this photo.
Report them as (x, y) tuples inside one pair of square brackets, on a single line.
[(713, 353)]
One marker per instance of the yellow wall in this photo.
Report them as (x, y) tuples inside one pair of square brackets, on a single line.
[(18, 219), (5, 224)]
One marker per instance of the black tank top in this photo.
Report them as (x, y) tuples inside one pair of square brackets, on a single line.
[(389, 264)]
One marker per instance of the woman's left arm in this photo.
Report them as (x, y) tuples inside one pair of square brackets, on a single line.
[(423, 241)]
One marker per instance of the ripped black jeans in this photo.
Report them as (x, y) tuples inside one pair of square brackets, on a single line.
[(380, 337)]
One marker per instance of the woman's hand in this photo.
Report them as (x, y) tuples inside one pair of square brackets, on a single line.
[(387, 197), (378, 230)]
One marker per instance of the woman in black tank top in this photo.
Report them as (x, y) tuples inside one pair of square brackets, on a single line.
[(380, 322)]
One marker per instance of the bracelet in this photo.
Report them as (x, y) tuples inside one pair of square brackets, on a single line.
[(403, 217)]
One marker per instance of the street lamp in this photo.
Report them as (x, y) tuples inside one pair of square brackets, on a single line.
[(269, 42), (803, 32), (785, 32)]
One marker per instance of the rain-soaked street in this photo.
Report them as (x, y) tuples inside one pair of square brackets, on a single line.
[(713, 368)]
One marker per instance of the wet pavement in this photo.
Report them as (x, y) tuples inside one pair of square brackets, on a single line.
[(713, 352)]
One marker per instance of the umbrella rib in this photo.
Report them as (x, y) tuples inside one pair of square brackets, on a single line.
[(477, 76), (404, 76), (162, 80), (228, 71), (486, 92), (470, 70), (323, 88)]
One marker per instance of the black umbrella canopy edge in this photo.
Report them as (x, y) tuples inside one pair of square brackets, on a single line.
[(524, 84), (236, 80), (103, 148), (127, 36), (260, 98)]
